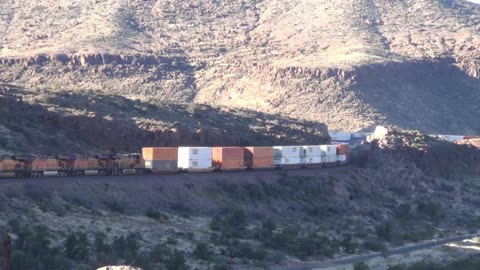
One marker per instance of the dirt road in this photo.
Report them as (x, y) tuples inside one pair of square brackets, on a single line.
[(359, 258)]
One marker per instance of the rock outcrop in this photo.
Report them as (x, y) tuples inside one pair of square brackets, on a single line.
[(5, 251)]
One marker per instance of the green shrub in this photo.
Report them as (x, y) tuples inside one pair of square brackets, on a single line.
[(360, 266), (116, 205), (203, 252), (374, 245), (177, 261), (76, 246), (155, 214), (160, 253), (431, 209)]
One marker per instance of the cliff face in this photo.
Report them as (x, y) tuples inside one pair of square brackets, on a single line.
[(350, 64), (5, 249)]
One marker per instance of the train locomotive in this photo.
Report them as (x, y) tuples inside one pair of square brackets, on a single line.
[(160, 160)]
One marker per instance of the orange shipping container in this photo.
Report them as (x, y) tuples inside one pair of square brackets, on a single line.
[(160, 153), (228, 157), (343, 149), (259, 156)]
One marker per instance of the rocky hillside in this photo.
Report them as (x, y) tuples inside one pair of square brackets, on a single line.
[(350, 64), (87, 122)]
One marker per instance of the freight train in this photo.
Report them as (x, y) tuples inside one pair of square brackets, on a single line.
[(176, 159)]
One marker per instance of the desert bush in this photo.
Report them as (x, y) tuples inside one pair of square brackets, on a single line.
[(374, 245), (76, 246), (360, 266), (160, 253), (126, 247), (116, 205), (403, 211), (155, 214), (232, 224), (101, 245), (202, 252), (177, 261), (431, 209), (245, 250), (396, 267)]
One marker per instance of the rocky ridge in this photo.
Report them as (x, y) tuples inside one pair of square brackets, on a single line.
[(349, 64)]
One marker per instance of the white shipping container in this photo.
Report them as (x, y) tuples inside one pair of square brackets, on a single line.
[(329, 150), (287, 161), (330, 159), (195, 164), (451, 138), (342, 158), (194, 153), (312, 151), (287, 151), (313, 160), (340, 136)]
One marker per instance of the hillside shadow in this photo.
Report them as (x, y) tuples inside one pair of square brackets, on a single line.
[(433, 97), (109, 123)]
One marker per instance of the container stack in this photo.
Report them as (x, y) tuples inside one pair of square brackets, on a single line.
[(287, 155), (228, 158), (195, 158), (340, 136), (313, 154), (343, 153), (329, 154), (160, 158), (258, 157)]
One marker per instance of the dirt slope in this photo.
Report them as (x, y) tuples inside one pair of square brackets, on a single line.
[(350, 64)]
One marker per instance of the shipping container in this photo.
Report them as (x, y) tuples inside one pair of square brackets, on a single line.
[(200, 164), (329, 150), (259, 152), (287, 161), (340, 136), (342, 158), (313, 160), (160, 153), (258, 156), (331, 159), (343, 149), (194, 153), (228, 157), (287, 152), (161, 165), (312, 151), (451, 138)]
